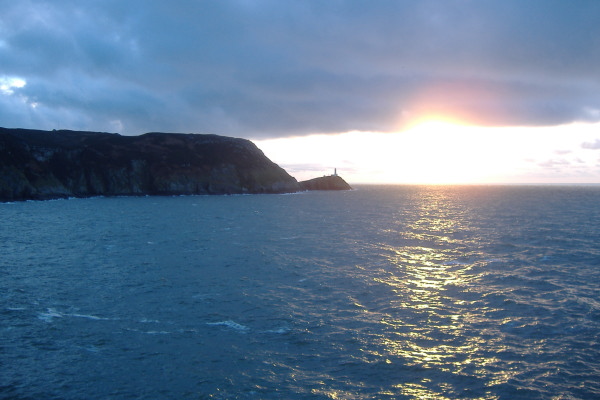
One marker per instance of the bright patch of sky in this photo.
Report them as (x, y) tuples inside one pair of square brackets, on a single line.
[(9, 84), (443, 153)]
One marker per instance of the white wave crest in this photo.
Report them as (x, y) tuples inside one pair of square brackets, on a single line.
[(49, 315), (230, 324)]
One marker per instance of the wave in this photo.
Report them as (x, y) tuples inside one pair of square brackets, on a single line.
[(93, 317), (231, 325), (51, 314), (278, 331)]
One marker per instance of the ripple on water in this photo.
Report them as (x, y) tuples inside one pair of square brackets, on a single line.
[(405, 292)]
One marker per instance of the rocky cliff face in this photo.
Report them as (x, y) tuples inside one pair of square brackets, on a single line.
[(331, 182), (52, 164)]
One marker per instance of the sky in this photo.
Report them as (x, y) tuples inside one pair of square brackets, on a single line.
[(403, 91)]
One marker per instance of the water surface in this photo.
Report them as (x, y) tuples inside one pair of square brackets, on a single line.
[(396, 292)]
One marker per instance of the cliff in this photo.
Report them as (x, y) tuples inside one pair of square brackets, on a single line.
[(331, 182), (38, 164)]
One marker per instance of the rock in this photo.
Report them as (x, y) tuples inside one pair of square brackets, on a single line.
[(37, 164), (331, 182)]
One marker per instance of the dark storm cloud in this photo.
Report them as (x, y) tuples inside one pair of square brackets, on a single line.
[(278, 68)]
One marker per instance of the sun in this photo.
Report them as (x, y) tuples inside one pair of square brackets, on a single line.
[(440, 151), (445, 153)]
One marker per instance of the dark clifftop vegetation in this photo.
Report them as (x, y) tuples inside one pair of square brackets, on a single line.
[(39, 165)]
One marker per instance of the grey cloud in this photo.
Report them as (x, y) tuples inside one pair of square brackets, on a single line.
[(591, 145), (554, 163), (272, 68)]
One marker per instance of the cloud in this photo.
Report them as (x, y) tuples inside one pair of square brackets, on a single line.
[(273, 69), (9, 84), (562, 152), (591, 145), (554, 163)]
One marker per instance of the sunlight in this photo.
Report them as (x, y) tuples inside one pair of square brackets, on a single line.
[(441, 151), (7, 84), (446, 153), (432, 152)]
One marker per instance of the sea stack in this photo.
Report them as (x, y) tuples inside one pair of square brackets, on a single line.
[(331, 182)]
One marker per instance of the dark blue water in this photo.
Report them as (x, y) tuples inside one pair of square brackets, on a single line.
[(395, 292)]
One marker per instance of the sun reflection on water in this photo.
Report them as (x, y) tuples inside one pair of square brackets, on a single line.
[(430, 326)]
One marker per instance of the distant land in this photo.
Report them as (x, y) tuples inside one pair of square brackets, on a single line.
[(38, 165), (330, 182)]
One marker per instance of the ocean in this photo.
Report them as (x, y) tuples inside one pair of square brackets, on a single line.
[(383, 292)]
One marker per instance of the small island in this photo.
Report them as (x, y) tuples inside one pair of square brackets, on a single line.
[(38, 165), (330, 182)]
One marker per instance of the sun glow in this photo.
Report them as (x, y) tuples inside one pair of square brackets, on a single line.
[(441, 152), (444, 153), (438, 151)]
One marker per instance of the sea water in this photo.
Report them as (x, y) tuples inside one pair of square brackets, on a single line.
[(384, 292)]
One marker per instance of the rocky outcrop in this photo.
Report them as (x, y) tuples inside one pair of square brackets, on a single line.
[(331, 182), (38, 164)]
